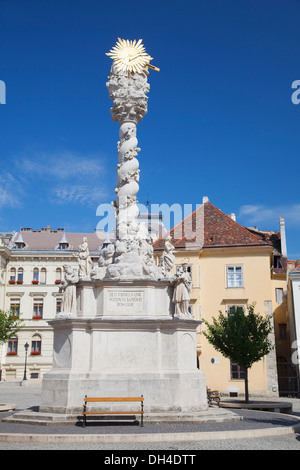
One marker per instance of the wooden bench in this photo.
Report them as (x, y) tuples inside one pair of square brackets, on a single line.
[(213, 395), (109, 412)]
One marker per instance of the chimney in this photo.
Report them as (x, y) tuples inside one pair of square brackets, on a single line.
[(282, 237), (232, 216), (205, 199)]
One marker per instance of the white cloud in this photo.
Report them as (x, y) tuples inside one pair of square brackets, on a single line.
[(62, 165), (82, 194), (61, 177), (10, 191), (256, 214)]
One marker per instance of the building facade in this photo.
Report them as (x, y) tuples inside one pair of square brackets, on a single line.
[(31, 263), (231, 265), (31, 270)]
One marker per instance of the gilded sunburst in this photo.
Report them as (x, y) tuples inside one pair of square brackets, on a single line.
[(130, 56)]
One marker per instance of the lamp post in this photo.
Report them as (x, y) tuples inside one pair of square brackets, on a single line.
[(26, 346)]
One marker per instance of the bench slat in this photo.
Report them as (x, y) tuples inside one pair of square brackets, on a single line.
[(109, 412)]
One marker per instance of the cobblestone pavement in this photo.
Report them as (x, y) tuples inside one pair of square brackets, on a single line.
[(26, 397), (287, 442)]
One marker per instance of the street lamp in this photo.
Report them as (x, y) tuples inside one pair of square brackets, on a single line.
[(26, 346)]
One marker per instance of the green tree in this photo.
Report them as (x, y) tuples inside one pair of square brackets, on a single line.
[(242, 336), (10, 324)]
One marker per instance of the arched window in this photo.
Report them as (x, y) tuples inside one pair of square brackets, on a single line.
[(12, 275), (36, 345), (35, 275), (20, 276), (58, 275), (43, 276)]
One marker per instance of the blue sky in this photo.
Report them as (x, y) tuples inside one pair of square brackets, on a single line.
[(220, 122)]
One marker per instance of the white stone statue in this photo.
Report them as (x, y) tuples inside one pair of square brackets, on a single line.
[(182, 287), (133, 257), (68, 287), (167, 260), (106, 256), (84, 259)]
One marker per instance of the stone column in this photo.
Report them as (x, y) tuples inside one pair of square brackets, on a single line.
[(133, 251)]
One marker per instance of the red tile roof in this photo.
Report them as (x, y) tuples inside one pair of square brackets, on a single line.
[(209, 227)]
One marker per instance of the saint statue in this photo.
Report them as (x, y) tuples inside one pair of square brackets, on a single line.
[(166, 261), (68, 288), (84, 259), (182, 287)]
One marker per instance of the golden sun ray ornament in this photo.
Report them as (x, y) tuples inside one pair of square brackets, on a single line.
[(130, 56)]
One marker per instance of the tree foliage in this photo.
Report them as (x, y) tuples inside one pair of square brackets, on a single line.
[(10, 324), (242, 336)]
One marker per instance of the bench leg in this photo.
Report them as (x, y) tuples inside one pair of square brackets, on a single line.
[(84, 416), (142, 410)]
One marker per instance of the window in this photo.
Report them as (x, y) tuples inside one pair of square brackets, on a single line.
[(35, 275), (58, 276), (12, 276), (36, 345), (12, 346), (236, 372), (58, 305), (232, 308), (20, 276), (279, 295), (63, 246), (234, 275), (43, 276), (37, 309), (15, 307), (282, 330), (34, 375)]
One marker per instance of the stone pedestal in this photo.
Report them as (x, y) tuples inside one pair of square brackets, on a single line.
[(124, 342)]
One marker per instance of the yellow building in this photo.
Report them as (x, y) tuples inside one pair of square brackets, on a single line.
[(230, 265)]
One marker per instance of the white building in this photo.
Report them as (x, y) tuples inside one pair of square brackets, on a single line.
[(31, 268), (294, 319)]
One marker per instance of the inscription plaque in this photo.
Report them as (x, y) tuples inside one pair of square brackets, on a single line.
[(125, 301)]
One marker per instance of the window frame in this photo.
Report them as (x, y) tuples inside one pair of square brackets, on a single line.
[(36, 274), (234, 273), (12, 346), (36, 345), (15, 304), (240, 371), (38, 304), (279, 295), (58, 305), (20, 275), (12, 274)]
